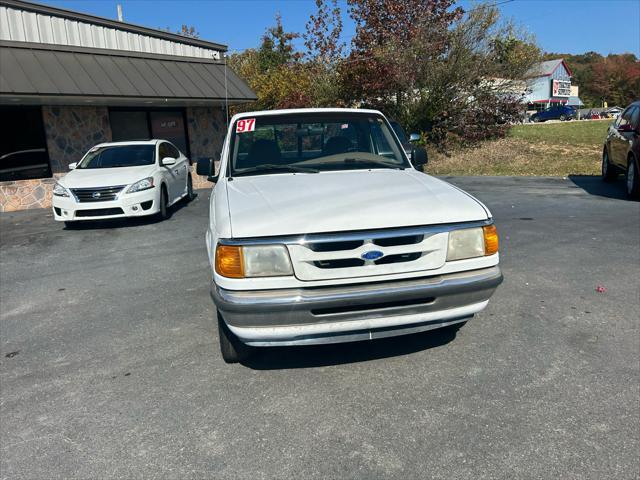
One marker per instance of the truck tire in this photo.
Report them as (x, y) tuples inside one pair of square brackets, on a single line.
[(232, 349)]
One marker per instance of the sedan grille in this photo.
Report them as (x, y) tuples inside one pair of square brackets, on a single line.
[(99, 212), (97, 194)]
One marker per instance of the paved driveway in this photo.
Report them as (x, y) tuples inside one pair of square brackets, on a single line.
[(109, 362)]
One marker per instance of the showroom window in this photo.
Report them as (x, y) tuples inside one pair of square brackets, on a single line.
[(23, 145), (144, 124)]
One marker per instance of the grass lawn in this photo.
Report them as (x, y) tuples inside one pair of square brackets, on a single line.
[(548, 149)]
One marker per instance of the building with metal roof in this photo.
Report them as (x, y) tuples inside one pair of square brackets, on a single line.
[(549, 83), (69, 80)]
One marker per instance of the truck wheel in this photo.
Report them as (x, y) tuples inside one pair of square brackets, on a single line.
[(232, 349), (633, 181), (609, 173)]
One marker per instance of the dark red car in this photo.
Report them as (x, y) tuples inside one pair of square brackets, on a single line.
[(621, 153)]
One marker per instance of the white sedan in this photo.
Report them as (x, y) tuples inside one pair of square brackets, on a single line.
[(123, 179)]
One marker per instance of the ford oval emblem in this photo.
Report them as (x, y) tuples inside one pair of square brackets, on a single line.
[(372, 255)]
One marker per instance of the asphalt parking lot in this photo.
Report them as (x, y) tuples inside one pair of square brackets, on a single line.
[(110, 368)]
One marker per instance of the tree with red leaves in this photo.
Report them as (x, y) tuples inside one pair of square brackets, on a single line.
[(395, 40), (616, 79)]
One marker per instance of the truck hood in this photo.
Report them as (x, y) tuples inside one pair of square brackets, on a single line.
[(105, 177), (288, 204)]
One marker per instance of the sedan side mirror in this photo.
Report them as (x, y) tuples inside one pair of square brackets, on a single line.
[(414, 137), (166, 161), (419, 158), (72, 166), (205, 167)]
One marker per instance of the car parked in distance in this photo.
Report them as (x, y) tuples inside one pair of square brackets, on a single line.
[(621, 152), (123, 179), (322, 230), (561, 112)]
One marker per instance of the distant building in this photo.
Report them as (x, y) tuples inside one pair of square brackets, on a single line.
[(549, 83), (69, 81), (574, 98)]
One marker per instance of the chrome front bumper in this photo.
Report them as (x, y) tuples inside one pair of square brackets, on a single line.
[(354, 312)]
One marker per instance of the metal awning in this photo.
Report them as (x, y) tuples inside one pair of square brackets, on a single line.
[(54, 74)]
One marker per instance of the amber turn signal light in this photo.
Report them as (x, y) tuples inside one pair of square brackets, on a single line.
[(229, 261), (490, 233)]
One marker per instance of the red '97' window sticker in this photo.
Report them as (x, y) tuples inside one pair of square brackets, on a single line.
[(246, 125)]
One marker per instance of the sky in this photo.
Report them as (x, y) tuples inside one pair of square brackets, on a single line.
[(561, 26)]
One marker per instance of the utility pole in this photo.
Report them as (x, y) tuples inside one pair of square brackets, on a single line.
[(119, 8)]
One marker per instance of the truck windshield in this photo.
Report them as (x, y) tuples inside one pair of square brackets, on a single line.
[(119, 156), (311, 143), (399, 132)]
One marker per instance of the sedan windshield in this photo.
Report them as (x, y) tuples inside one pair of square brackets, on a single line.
[(312, 143), (119, 156)]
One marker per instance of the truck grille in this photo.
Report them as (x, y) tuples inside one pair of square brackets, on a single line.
[(397, 251), (97, 194)]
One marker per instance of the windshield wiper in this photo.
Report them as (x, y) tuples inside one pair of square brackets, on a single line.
[(375, 162), (269, 167)]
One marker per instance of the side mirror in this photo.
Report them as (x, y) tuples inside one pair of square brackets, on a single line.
[(414, 137), (205, 167), (419, 158), (72, 166), (166, 161)]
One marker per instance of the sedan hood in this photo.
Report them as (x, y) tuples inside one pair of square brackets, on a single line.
[(105, 177), (288, 204)]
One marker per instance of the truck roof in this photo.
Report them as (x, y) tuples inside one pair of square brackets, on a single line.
[(294, 111)]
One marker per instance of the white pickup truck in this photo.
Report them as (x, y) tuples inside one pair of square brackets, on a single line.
[(322, 230)]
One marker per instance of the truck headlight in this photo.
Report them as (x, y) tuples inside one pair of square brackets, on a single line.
[(472, 242), (60, 191), (253, 261), (144, 184)]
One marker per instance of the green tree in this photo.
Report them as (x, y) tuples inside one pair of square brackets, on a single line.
[(277, 47), (274, 71)]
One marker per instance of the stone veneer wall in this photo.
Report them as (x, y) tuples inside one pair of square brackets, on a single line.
[(206, 129), (70, 132), (25, 194)]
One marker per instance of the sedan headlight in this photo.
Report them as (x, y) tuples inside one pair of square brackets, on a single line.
[(253, 261), (144, 184), (472, 242), (60, 191)]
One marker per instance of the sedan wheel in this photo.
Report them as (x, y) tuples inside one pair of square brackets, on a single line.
[(190, 194), (164, 209), (562, 118), (633, 181), (608, 171)]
